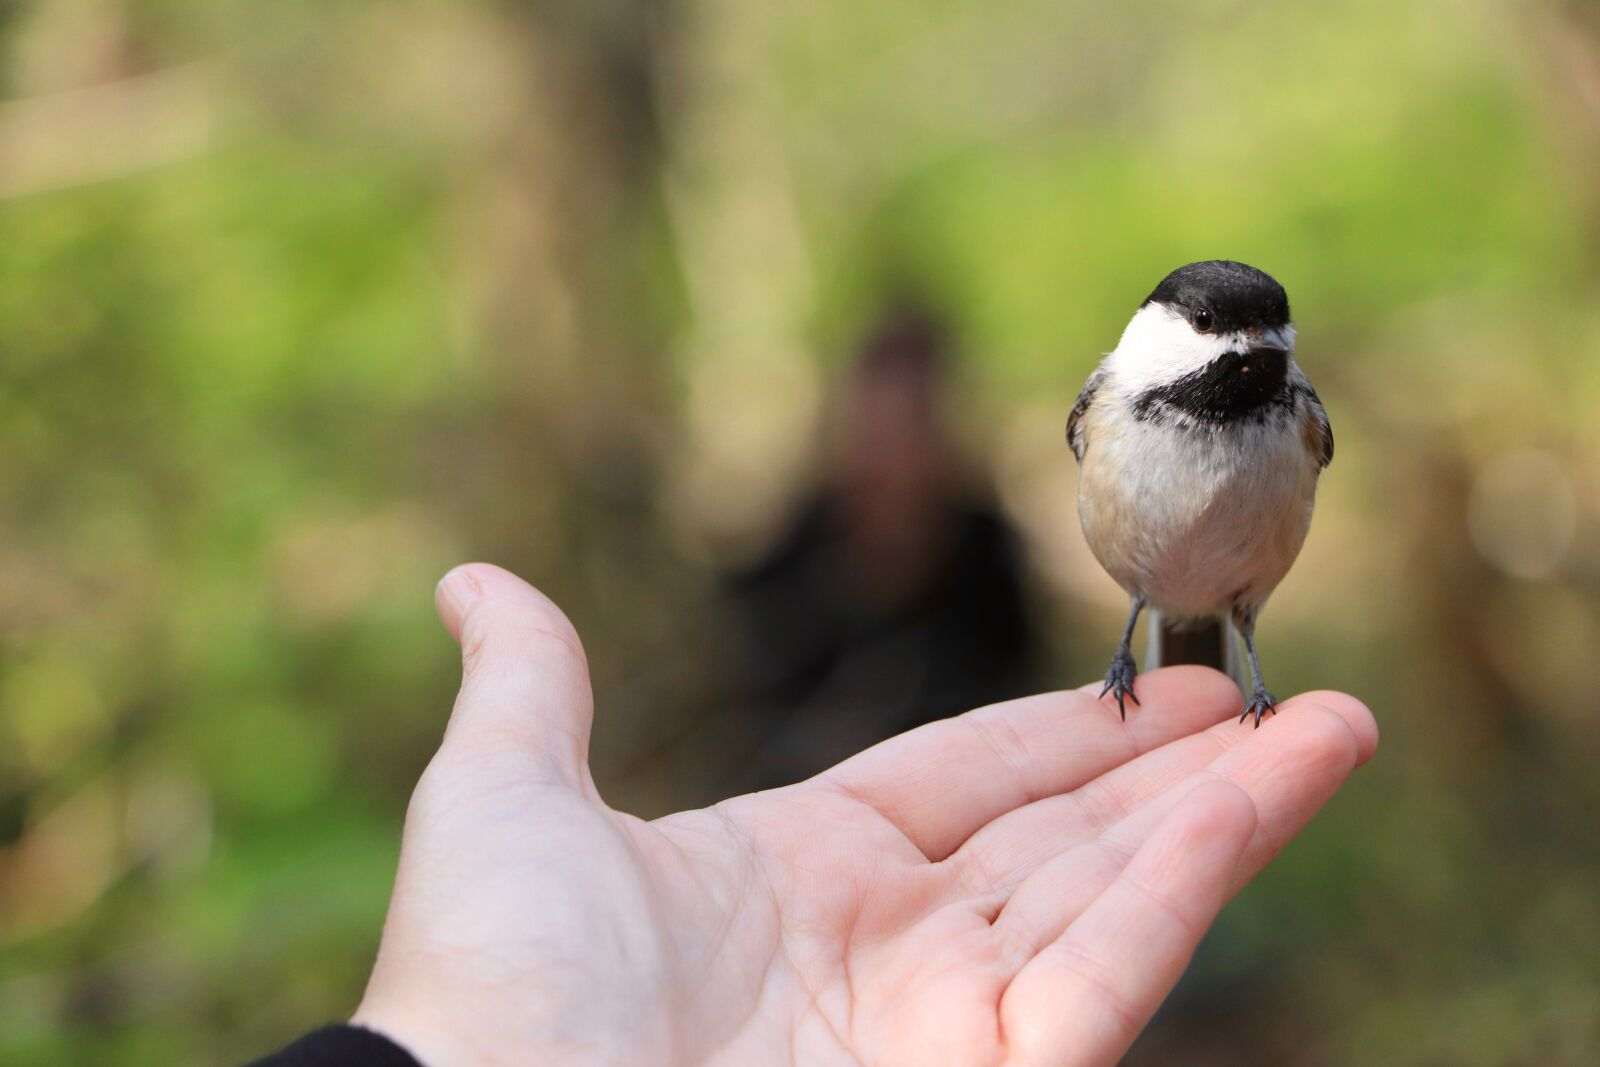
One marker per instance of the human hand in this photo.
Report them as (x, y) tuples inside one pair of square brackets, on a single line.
[(1019, 885)]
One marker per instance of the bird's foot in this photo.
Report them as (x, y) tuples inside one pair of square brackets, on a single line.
[(1119, 680), (1259, 704)]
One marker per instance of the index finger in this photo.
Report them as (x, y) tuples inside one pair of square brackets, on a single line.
[(940, 783)]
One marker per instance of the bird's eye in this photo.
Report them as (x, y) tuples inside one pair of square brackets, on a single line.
[(1202, 320)]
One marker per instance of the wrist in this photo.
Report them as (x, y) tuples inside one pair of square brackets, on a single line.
[(431, 1042)]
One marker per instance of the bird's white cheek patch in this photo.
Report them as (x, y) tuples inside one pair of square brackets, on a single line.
[(1160, 347)]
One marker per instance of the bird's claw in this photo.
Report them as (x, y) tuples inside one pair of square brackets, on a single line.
[(1119, 680), (1259, 704)]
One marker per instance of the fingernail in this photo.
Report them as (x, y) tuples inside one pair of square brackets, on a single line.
[(457, 592)]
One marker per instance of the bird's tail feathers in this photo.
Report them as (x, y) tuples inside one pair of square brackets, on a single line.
[(1208, 642)]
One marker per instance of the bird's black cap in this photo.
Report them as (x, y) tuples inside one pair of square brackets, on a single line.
[(1238, 295)]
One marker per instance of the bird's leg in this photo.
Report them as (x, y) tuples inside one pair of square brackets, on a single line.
[(1260, 701), (1119, 677)]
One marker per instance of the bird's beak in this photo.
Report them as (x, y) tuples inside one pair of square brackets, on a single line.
[(1269, 343)]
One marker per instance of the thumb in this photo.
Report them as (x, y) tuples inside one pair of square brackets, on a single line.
[(525, 679)]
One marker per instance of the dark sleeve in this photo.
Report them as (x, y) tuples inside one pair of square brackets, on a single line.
[(341, 1046)]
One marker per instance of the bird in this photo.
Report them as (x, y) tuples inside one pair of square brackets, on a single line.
[(1200, 443)]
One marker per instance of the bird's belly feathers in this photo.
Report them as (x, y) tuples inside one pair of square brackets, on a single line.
[(1199, 521)]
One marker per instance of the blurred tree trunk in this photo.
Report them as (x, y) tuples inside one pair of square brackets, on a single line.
[(1568, 38), (563, 479)]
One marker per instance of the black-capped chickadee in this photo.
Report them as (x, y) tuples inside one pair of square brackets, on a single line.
[(1199, 443)]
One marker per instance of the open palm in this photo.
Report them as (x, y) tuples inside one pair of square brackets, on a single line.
[(1018, 885)]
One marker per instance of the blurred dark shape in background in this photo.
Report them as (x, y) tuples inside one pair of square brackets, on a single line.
[(896, 596)]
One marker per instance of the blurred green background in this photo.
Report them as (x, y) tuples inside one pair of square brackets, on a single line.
[(301, 303)]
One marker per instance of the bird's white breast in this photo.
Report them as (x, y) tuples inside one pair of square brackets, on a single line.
[(1200, 520)]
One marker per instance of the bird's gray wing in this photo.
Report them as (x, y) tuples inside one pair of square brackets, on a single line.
[(1075, 420)]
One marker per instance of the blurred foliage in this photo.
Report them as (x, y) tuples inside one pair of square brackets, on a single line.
[(302, 303)]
